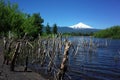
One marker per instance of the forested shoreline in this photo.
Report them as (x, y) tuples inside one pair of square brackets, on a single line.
[(112, 32)]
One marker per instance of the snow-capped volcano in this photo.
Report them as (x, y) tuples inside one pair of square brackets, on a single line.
[(81, 26)]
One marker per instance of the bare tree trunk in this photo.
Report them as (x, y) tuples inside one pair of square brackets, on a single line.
[(26, 63), (7, 50), (14, 57), (63, 66)]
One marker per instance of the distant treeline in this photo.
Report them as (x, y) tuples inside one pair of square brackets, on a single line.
[(78, 34), (113, 32), (14, 21)]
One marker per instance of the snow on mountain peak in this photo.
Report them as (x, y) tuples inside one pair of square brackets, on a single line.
[(81, 26)]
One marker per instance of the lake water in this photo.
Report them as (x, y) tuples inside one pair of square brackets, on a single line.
[(103, 63)]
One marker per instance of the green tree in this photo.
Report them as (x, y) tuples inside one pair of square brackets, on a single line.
[(54, 29), (15, 21), (48, 29), (28, 26), (32, 25), (10, 17), (38, 22), (4, 16)]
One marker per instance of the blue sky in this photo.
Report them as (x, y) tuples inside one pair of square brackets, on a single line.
[(99, 14)]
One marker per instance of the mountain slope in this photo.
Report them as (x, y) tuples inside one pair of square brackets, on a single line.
[(69, 30)]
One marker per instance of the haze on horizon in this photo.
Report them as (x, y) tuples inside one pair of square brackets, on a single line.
[(99, 14)]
